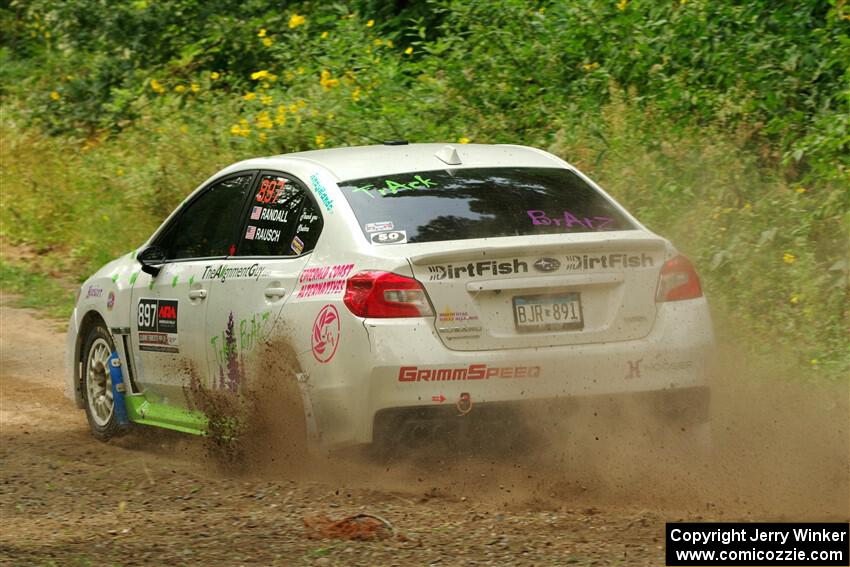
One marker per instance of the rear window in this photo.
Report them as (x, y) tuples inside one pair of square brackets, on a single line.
[(458, 204)]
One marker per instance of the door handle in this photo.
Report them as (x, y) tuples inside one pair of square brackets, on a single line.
[(273, 292), (197, 294)]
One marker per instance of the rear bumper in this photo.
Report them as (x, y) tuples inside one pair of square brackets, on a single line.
[(410, 372)]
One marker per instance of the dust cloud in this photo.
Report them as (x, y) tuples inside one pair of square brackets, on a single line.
[(779, 450)]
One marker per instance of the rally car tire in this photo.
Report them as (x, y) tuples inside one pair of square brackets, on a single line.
[(96, 384)]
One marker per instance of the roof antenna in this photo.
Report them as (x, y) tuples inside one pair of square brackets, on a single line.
[(448, 154)]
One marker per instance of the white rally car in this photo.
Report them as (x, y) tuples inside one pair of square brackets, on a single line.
[(411, 281)]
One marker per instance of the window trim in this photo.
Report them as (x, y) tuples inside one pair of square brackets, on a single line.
[(244, 225), (178, 214)]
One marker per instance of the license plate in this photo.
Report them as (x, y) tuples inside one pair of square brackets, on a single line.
[(548, 312)]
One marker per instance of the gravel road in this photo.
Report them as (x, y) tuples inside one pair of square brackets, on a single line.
[(157, 498)]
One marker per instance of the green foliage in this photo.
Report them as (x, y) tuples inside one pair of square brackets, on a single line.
[(725, 126)]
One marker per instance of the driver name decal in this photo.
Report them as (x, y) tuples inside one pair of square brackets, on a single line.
[(326, 331), (157, 325)]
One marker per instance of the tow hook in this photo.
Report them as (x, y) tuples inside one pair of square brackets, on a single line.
[(464, 403)]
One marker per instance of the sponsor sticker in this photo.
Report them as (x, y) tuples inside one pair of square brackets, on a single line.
[(110, 301), (477, 269), (471, 372), (157, 325), (326, 332), (378, 226), (93, 291), (223, 272), (323, 280), (322, 192), (607, 261), (389, 237), (297, 245)]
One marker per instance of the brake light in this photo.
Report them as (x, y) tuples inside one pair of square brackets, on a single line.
[(385, 295), (678, 281)]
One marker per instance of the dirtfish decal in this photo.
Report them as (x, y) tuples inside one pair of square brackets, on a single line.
[(477, 269)]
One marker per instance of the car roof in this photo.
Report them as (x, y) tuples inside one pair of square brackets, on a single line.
[(371, 161)]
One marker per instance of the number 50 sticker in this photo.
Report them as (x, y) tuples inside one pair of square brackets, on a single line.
[(389, 237)]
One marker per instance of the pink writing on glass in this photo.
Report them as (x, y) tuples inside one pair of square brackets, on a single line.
[(568, 220)]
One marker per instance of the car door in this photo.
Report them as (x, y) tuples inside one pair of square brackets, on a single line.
[(168, 323), (280, 228)]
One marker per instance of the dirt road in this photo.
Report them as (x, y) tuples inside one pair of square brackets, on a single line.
[(155, 498)]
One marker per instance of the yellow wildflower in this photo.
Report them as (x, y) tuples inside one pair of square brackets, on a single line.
[(249, 96), (179, 89), (813, 362), (280, 117), (794, 299), (320, 140), (195, 87), (463, 140), (300, 70), (157, 86), (370, 23), (378, 41), (262, 137), (235, 129), (326, 81), (408, 51), (301, 104), (263, 76), (330, 115), (184, 129), (267, 100), (802, 190), (55, 95), (389, 43), (295, 20), (355, 94), (293, 108), (590, 66), (262, 32), (324, 35), (267, 41), (215, 76), (789, 258), (264, 121), (289, 75), (119, 172), (621, 5)]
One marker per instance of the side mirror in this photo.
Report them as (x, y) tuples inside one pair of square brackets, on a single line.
[(152, 259)]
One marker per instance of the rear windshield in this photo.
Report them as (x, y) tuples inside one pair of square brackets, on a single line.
[(459, 204)]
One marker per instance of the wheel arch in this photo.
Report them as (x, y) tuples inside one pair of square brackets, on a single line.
[(89, 321)]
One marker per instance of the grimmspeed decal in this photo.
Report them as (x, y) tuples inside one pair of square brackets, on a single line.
[(157, 325), (607, 261), (224, 272), (471, 372), (477, 269)]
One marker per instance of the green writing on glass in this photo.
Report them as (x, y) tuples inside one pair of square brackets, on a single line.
[(394, 187)]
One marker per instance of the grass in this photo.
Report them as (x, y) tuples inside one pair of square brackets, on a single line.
[(49, 295)]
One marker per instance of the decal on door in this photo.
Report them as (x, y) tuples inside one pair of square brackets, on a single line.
[(326, 331), (157, 319)]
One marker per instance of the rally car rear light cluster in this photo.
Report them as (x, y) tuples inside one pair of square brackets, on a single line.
[(678, 280), (386, 295)]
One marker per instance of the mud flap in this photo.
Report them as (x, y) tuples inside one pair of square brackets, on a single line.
[(118, 388)]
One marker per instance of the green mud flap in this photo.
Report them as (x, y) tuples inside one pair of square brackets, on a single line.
[(140, 410)]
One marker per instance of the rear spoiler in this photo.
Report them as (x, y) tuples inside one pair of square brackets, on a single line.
[(609, 244)]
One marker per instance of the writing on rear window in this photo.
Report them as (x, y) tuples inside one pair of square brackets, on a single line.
[(466, 203)]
